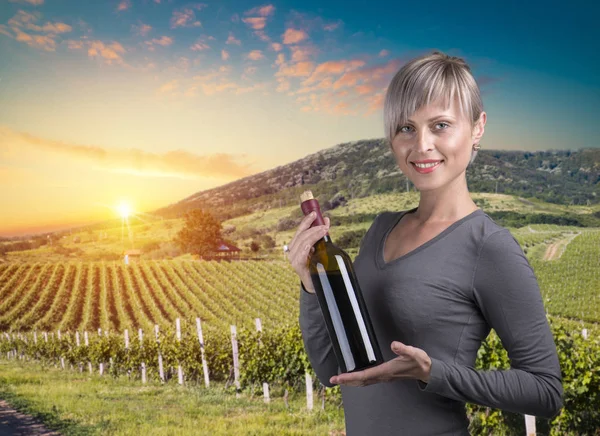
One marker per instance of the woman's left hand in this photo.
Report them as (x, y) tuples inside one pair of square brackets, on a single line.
[(411, 362)]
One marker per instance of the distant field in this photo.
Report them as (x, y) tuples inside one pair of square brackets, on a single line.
[(114, 296), (109, 243), (43, 290)]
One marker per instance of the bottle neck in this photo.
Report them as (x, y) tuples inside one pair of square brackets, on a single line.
[(325, 239)]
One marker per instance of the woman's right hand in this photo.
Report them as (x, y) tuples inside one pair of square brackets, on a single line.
[(301, 248)]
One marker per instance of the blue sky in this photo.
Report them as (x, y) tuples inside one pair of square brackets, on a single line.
[(150, 101)]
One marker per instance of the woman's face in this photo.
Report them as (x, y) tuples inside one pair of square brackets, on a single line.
[(433, 133)]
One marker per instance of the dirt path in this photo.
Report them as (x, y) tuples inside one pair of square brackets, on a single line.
[(554, 250), (15, 423)]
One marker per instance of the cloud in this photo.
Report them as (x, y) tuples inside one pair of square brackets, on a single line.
[(175, 163), (232, 40), (74, 44), (300, 69), (31, 2), (123, 5), (383, 53), (276, 46), (199, 46), (185, 17), (142, 29), (18, 26), (263, 11), (331, 68), (168, 87), (330, 27), (109, 52), (348, 87), (294, 36), (255, 55), (259, 15), (256, 23), (304, 53), (224, 55), (163, 40)]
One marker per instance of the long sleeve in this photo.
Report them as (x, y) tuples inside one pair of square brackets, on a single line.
[(315, 336), (506, 290)]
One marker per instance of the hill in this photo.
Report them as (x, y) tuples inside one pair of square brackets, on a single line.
[(367, 167)]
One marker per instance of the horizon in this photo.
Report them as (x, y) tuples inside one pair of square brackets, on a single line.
[(148, 102)]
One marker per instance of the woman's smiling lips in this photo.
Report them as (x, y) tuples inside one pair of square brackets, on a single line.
[(426, 166)]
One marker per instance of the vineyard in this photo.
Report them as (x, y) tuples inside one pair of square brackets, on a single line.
[(113, 296)]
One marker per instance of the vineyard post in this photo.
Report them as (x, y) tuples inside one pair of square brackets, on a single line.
[(267, 398), (78, 342), (179, 369), (126, 333), (530, 425), (309, 391), (110, 359), (160, 362), (143, 363), (584, 333), (62, 359), (236, 363), (35, 337), (204, 364), (87, 344), (101, 366), (25, 356)]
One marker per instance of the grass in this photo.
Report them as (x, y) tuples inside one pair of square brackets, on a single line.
[(82, 404)]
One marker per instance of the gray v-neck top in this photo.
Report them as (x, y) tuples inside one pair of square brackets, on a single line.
[(444, 297)]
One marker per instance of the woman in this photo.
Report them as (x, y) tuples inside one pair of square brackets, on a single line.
[(436, 279)]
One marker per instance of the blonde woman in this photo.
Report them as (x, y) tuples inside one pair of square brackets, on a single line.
[(436, 279)]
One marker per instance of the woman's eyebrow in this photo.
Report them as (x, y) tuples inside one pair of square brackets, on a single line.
[(435, 118)]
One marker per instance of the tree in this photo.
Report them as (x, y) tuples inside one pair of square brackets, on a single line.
[(254, 246), (200, 234)]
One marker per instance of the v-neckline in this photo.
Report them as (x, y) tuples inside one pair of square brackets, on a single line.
[(382, 264)]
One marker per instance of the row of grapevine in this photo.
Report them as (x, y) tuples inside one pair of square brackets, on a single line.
[(115, 296), (277, 356)]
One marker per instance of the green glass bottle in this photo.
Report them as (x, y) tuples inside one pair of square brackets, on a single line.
[(340, 299)]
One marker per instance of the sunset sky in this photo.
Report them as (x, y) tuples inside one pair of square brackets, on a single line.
[(150, 101)]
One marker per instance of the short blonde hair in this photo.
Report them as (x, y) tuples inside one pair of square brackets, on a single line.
[(426, 79)]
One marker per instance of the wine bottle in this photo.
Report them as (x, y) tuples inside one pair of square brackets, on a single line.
[(341, 300)]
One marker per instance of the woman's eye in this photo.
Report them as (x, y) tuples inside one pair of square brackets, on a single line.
[(401, 129)]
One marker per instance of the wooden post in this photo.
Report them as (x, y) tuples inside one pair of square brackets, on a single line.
[(35, 337), (204, 364), (530, 425), (236, 363), (87, 343), (62, 359), (179, 369), (143, 363), (265, 385), (101, 366), (309, 391), (160, 362), (78, 342), (126, 334)]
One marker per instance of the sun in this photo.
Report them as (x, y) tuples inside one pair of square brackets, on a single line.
[(124, 209)]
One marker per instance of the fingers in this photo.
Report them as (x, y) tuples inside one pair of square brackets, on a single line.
[(301, 245), (302, 228)]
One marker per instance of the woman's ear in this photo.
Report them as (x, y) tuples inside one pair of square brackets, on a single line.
[(479, 128)]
